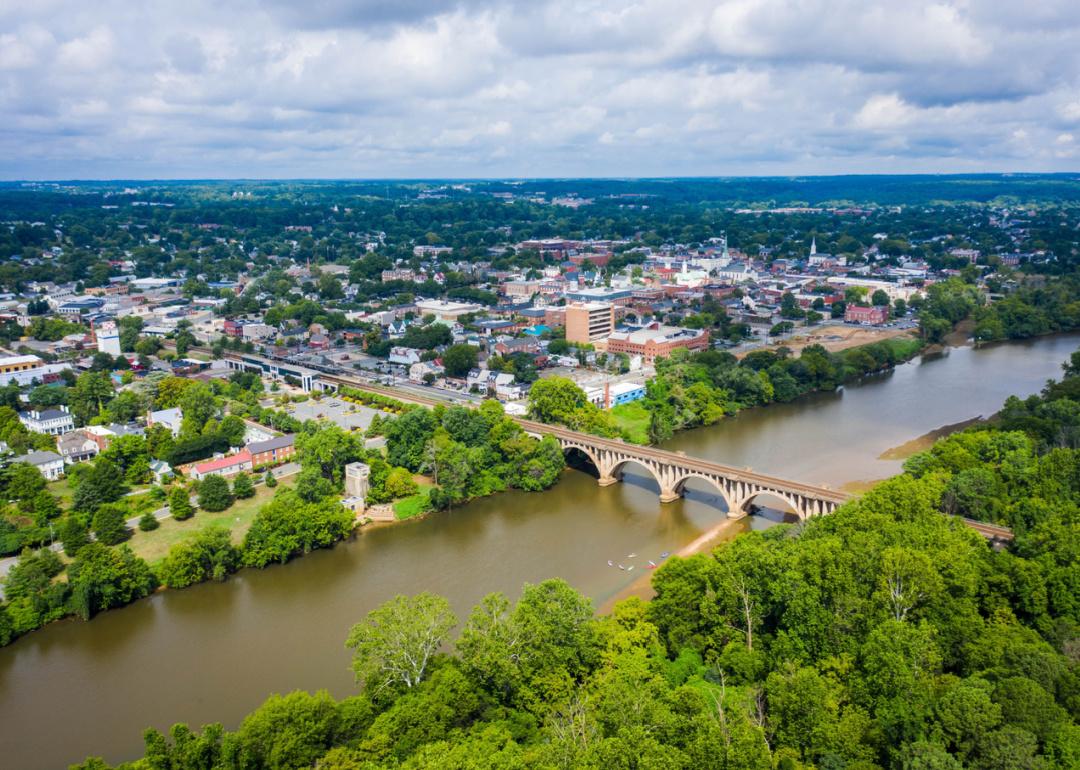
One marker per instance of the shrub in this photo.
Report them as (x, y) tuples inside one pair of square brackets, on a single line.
[(148, 522), (214, 494), (180, 504), (242, 486)]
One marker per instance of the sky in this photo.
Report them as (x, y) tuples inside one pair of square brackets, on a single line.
[(113, 89)]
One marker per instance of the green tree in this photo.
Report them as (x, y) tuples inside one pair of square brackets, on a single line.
[(459, 359), (73, 533), (102, 578), (180, 504), (109, 525), (396, 643), (97, 484), (148, 522), (243, 488), (214, 493), (209, 555)]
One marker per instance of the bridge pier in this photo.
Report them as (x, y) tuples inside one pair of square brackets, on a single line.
[(607, 481), (669, 495)]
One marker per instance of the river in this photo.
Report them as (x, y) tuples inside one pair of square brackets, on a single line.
[(213, 652)]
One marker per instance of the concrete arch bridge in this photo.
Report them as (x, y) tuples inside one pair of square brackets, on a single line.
[(739, 487)]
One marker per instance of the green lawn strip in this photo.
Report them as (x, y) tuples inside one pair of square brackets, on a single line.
[(633, 420), (153, 546), (413, 505)]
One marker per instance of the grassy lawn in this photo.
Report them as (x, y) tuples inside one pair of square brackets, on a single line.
[(633, 419), (153, 546), (413, 505)]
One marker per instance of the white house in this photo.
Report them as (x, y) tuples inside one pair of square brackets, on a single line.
[(53, 422), (49, 464), (404, 356), (169, 418)]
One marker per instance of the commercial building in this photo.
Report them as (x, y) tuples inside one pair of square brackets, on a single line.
[(12, 364), (878, 314), (108, 338), (589, 322), (614, 395), (445, 310), (656, 341)]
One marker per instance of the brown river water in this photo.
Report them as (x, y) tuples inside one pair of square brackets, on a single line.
[(213, 652)]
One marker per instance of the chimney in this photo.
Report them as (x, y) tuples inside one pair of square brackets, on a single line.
[(607, 395)]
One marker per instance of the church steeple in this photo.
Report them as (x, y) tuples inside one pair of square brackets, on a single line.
[(813, 246)]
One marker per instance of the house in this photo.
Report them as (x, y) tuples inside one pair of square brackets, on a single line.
[(223, 465), (76, 447), (53, 422), (273, 451), (404, 356), (103, 435), (168, 418), (493, 383), (49, 464), (418, 371), (161, 470)]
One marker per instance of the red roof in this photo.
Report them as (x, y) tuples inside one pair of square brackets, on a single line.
[(224, 462)]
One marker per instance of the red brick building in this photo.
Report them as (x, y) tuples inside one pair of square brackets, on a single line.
[(657, 341), (273, 451), (878, 314)]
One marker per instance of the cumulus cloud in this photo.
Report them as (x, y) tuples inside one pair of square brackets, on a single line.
[(375, 88)]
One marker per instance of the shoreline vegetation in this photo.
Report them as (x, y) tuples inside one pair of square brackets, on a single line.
[(884, 633)]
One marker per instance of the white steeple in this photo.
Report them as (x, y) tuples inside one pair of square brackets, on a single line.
[(813, 246)]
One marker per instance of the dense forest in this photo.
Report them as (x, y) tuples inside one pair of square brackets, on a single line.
[(886, 635)]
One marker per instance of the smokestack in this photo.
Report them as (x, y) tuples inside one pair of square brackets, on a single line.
[(607, 395)]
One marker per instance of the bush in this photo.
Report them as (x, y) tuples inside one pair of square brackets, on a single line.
[(214, 494), (148, 522), (287, 526), (180, 504), (399, 483), (209, 555), (270, 480), (242, 486)]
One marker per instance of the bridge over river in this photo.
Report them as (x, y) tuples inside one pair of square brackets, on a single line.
[(739, 487)]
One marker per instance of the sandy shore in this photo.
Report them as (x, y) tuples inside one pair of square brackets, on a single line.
[(642, 586)]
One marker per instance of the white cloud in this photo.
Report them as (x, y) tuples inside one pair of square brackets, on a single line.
[(552, 87)]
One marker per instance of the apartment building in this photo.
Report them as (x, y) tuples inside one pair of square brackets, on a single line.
[(589, 321)]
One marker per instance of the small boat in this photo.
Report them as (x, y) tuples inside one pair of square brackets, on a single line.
[(631, 555), (652, 564), (610, 563), (622, 567), (665, 554), (630, 568)]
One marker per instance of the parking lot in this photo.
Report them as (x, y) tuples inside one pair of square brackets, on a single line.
[(346, 415)]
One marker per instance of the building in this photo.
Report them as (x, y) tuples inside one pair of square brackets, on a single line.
[(108, 338), (53, 422), (614, 395), (655, 341), (76, 447), (404, 356), (444, 310), (49, 464), (13, 364), (589, 322), (228, 465), (168, 418), (273, 451), (357, 480), (877, 314)]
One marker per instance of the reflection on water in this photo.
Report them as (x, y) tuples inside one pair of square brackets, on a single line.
[(213, 652)]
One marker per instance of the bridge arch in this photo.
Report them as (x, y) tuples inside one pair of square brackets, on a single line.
[(679, 486), (615, 472), (740, 508), (587, 452)]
